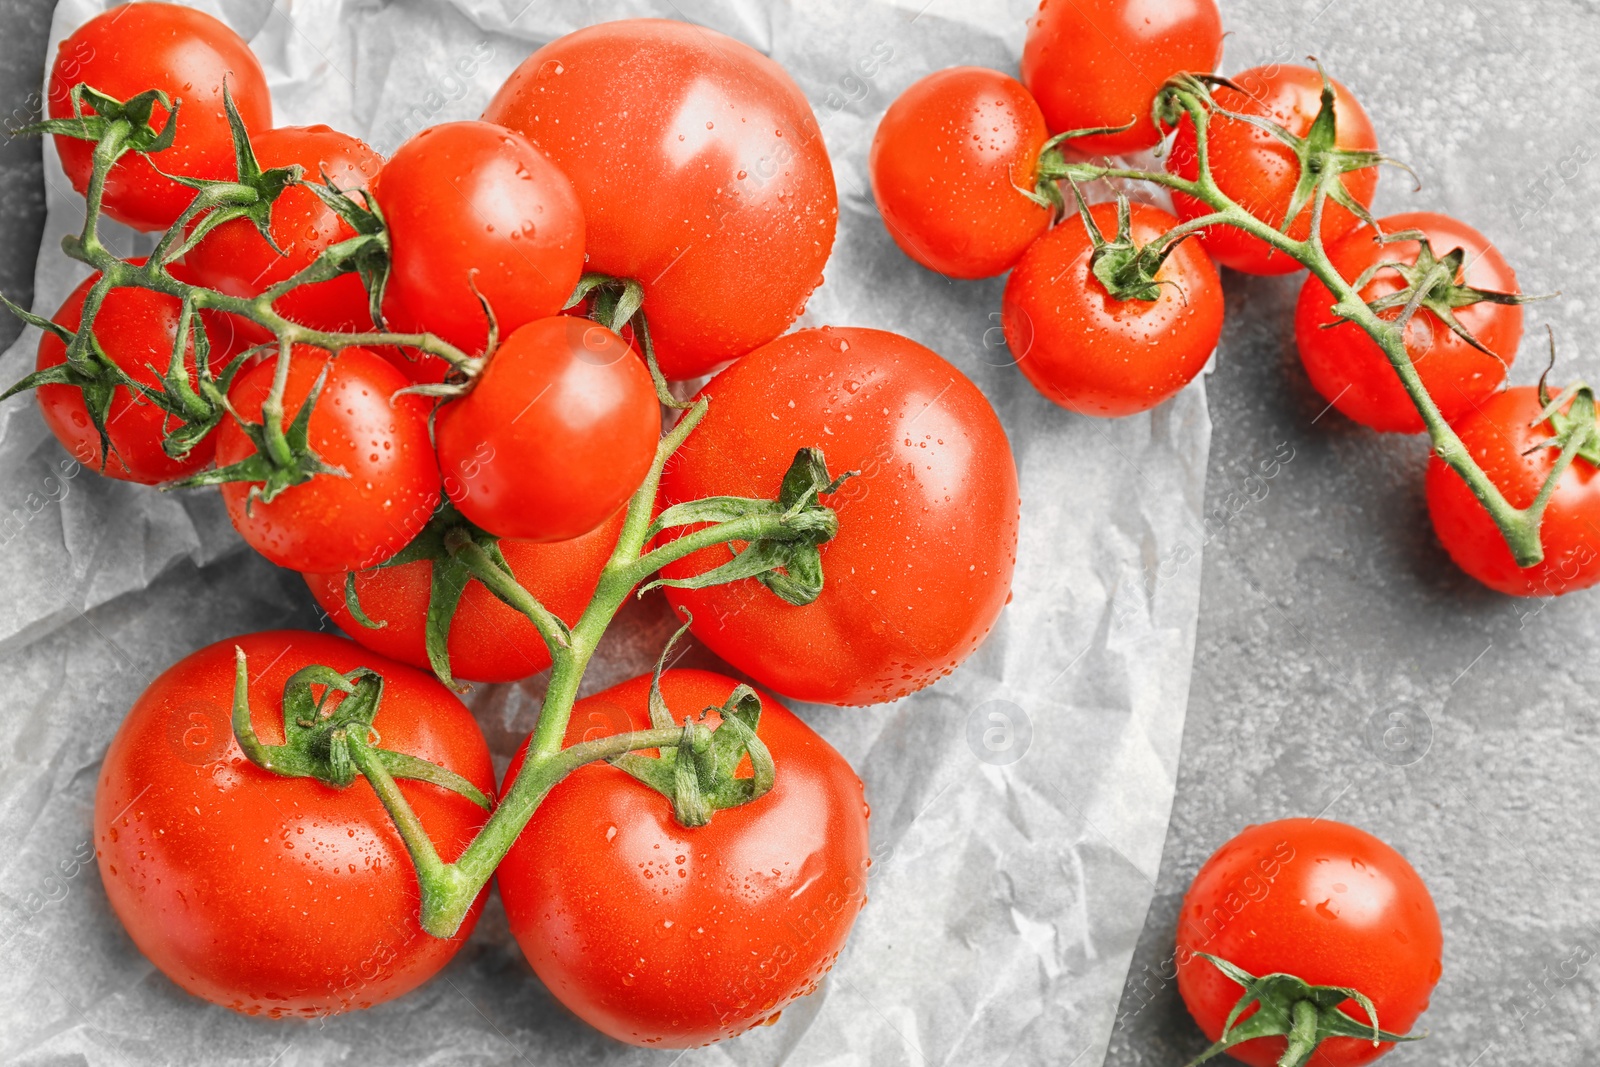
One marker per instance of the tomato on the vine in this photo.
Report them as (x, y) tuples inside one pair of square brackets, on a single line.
[(702, 172), (670, 937), (189, 55), (269, 895), (922, 563)]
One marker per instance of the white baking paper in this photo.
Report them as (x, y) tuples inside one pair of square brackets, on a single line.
[(1019, 806)]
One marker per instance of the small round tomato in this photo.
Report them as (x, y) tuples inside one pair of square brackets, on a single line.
[(187, 54), (234, 259), (1349, 369), (489, 642), (1093, 63), (948, 164), (269, 895), (1501, 435), (1097, 355), (556, 434), (1259, 172), (1325, 902), (922, 563), (702, 172), (472, 203), (380, 440), (670, 937)]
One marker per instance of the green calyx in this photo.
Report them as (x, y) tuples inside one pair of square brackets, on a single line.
[(1052, 167), (616, 303), (132, 121), (1127, 271), (1304, 1015), (1571, 416)]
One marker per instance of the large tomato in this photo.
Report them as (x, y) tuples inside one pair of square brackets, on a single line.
[(927, 535), (187, 54), (269, 895), (702, 173), (670, 937)]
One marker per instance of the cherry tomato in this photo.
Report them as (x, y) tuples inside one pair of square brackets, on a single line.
[(474, 203), (1259, 171), (1094, 63), (709, 183), (1349, 369), (669, 937), (187, 54), (556, 434), (489, 642), (1097, 355), (1500, 435), (332, 523), (268, 895), (1328, 903), (927, 535)]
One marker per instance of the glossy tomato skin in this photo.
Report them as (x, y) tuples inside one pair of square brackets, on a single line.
[(669, 937), (1259, 171), (1096, 63), (1349, 369), (234, 259), (380, 440), (1498, 434), (472, 202), (927, 539), (278, 896), (1320, 900), (489, 642), (188, 54), (947, 164), (1099, 356), (556, 434), (702, 174)]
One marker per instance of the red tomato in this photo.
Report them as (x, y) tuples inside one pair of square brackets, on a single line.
[(475, 202), (1325, 902), (669, 937), (948, 163), (1259, 171), (489, 642), (234, 259), (187, 54), (556, 434), (1499, 435), (1349, 369), (380, 440), (1094, 354), (1096, 63), (268, 895), (927, 535), (709, 183)]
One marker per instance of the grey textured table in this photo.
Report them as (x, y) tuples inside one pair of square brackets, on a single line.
[(1328, 610)]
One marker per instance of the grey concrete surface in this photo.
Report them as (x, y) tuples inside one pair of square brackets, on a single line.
[(1327, 605)]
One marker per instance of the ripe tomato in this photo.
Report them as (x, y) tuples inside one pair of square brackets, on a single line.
[(1097, 355), (556, 434), (234, 259), (1325, 902), (948, 163), (489, 642), (1259, 171), (1349, 369), (380, 440), (670, 937), (1096, 63), (927, 535), (186, 53), (709, 182), (1499, 435), (268, 895), (472, 202)]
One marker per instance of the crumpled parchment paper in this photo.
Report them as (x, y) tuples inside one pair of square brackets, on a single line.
[(1019, 806)]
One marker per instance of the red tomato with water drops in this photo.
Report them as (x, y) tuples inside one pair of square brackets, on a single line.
[(670, 937), (702, 172)]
